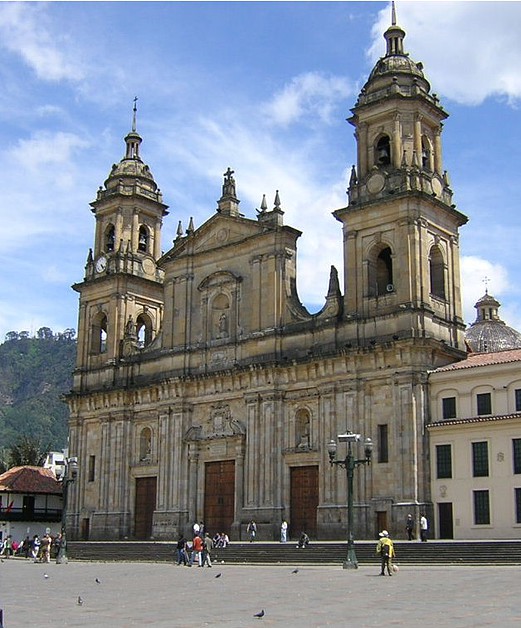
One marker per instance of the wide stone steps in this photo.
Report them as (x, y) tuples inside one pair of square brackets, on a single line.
[(317, 553)]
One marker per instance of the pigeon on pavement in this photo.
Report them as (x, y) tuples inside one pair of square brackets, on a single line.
[(259, 615), (80, 601)]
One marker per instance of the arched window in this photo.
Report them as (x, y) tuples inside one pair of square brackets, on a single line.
[(426, 153), (145, 444), (303, 429), (99, 333), (144, 330), (380, 271), (382, 155), (110, 238), (142, 244), (221, 316), (437, 272)]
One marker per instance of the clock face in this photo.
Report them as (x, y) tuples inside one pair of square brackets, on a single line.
[(101, 264)]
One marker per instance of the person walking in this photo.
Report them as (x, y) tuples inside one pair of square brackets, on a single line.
[(197, 551), (409, 527), (284, 532), (181, 550), (385, 549), (252, 530), (424, 527), (207, 548)]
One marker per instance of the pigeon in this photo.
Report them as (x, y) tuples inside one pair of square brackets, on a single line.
[(218, 575), (259, 615), (45, 575), (295, 571), (98, 581), (80, 601)]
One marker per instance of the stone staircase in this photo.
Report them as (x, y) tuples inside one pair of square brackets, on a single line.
[(317, 553)]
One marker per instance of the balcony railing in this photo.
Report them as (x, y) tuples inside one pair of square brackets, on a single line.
[(26, 514)]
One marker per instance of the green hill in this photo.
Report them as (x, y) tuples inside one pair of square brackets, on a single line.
[(34, 373)]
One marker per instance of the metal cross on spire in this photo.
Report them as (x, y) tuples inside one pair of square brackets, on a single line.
[(134, 116), (486, 280)]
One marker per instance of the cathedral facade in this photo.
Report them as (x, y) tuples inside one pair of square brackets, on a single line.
[(204, 390)]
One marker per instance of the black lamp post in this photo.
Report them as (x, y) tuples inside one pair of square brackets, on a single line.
[(349, 464), (69, 475)]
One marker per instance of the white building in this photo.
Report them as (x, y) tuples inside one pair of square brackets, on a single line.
[(30, 502), (475, 447)]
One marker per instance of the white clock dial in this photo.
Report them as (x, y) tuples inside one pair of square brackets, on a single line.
[(101, 264)]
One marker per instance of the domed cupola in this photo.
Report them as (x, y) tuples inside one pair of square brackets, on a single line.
[(131, 169), (396, 69), (488, 333)]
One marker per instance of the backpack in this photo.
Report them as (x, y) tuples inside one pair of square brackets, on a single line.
[(385, 550)]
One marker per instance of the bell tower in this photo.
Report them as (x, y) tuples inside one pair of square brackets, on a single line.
[(121, 294), (401, 243)]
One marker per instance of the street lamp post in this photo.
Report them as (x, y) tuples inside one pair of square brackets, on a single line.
[(69, 474), (349, 464)]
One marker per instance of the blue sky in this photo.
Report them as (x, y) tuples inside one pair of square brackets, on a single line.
[(261, 87)]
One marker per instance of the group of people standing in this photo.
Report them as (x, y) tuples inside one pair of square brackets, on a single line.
[(424, 527), (39, 549), (198, 550)]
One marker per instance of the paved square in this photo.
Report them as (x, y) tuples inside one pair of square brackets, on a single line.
[(161, 594)]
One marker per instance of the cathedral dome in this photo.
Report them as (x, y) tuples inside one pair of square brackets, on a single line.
[(488, 333), (131, 166), (396, 70)]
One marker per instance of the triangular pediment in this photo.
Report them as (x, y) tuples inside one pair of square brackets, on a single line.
[(215, 233)]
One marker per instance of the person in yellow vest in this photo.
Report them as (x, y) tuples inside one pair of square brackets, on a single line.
[(385, 549)]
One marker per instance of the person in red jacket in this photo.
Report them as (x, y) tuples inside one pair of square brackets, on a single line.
[(197, 551)]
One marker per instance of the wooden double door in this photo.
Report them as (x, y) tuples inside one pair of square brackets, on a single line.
[(303, 501), (219, 496), (145, 504)]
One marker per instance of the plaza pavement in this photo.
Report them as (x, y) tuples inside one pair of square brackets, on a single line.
[(163, 594)]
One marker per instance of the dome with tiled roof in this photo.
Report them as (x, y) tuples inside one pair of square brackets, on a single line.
[(396, 70), (131, 168), (488, 333)]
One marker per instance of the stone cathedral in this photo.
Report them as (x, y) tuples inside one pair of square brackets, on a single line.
[(205, 391)]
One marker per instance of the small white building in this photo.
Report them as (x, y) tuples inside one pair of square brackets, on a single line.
[(30, 502), (475, 447), (55, 461)]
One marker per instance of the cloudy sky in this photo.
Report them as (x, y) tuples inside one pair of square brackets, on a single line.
[(261, 87)]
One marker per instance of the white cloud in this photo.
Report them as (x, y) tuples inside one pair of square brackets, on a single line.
[(478, 275), (47, 149), (310, 94), (26, 31), (471, 50)]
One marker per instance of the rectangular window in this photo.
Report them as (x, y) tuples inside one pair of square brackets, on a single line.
[(449, 407), (443, 461), (518, 399), (481, 508), (484, 404), (516, 454), (383, 443), (518, 504), (92, 468), (480, 459)]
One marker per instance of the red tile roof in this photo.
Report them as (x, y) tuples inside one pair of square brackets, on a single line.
[(30, 480), (483, 359), (474, 419)]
